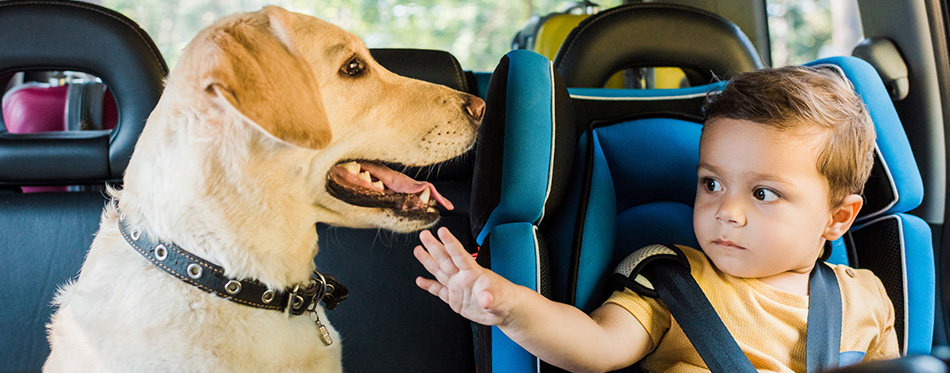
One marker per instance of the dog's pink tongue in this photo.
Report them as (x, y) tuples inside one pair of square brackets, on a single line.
[(400, 183)]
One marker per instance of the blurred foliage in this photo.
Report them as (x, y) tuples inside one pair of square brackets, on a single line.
[(805, 30), (477, 32)]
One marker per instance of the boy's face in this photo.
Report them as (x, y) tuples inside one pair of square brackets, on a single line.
[(761, 206)]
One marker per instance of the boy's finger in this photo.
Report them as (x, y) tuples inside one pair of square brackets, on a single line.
[(430, 264), (438, 252), (462, 259), (433, 287)]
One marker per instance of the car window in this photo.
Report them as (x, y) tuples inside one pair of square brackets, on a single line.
[(805, 30), (477, 32)]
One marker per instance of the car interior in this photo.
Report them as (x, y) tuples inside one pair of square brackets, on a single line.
[(586, 135)]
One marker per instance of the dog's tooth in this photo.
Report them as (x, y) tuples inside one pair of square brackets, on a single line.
[(365, 176), (379, 185), (424, 196), (432, 203), (352, 167)]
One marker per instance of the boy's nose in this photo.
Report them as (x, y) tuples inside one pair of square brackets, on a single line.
[(731, 212)]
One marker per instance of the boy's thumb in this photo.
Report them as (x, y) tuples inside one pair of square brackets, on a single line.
[(485, 299)]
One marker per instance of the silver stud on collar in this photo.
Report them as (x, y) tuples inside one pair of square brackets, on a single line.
[(136, 233), (161, 252), (233, 287), (268, 296), (122, 217), (194, 271)]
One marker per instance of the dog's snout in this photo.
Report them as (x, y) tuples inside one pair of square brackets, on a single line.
[(475, 107)]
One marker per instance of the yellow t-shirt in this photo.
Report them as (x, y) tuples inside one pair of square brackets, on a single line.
[(769, 324)]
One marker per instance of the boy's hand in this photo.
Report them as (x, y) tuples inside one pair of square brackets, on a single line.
[(474, 292), (609, 339)]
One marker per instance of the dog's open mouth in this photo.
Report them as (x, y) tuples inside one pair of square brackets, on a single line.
[(370, 184)]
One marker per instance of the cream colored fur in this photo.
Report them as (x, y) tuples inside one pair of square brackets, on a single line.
[(232, 166)]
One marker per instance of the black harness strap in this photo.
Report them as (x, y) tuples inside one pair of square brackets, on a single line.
[(670, 277), (699, 320), (824, 319)]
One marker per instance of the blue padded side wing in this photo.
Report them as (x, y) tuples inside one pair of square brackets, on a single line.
[(559, 229), (921, 278), (898, 249), (599, 232), (528, 141), (896, 246), (512, 258)]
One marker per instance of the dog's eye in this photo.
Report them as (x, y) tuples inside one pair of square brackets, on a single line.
[(353, 68)]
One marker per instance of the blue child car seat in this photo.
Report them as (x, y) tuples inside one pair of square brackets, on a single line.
[(526, 159), (632, 183)]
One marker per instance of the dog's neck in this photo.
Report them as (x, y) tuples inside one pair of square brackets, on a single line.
[(220, 202)]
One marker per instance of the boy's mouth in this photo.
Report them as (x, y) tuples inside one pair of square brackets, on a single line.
[(727, 244)]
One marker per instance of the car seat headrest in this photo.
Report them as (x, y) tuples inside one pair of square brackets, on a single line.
[(77, 36), (434, 66), (654, 35)]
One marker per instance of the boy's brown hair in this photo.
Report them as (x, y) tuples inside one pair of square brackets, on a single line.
[(797, 98)]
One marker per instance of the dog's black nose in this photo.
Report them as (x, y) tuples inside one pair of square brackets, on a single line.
[(475, 107)]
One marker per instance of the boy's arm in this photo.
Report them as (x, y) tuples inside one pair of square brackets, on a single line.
[(562, 335)]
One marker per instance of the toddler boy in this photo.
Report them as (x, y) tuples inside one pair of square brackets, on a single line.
[(783, 158)]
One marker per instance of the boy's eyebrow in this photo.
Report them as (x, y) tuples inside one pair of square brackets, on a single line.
[(707, 166), (755, 175), (771, 177)]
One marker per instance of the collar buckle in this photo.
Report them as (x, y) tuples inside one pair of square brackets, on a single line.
[(294, 302)]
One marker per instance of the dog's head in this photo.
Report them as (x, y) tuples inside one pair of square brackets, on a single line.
[(315, 92)]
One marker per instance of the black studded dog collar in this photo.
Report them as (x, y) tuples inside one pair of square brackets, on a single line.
[(210, 278)]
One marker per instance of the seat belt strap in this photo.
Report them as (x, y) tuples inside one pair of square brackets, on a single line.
[(824, 319), (699, 320), (662, 271)]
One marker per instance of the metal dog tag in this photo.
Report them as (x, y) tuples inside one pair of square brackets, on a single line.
[(321, 283), (324, 332)]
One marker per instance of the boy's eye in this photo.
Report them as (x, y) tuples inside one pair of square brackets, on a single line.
[(712, 185), (764, 194)]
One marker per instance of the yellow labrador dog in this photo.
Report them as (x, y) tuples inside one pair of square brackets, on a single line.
[(271, 122)]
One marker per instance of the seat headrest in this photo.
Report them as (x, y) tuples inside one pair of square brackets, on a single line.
[(654, 35), (78, 36), (434, 66)]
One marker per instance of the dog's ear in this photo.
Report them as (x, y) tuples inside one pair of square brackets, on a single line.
[(258, 75)]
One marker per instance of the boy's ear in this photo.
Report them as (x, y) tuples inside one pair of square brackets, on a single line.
[(843, 216)]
